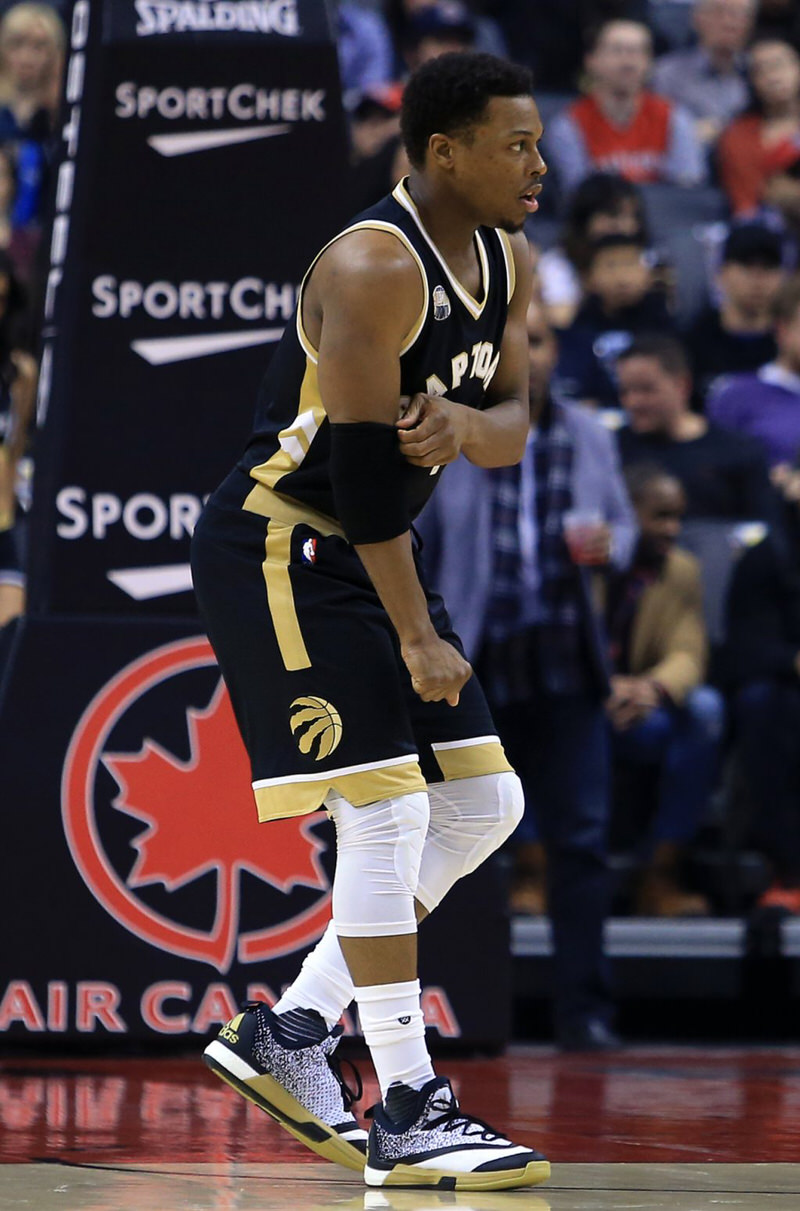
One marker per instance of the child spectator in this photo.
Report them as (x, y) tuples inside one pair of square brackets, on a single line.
[(603, 204), (31, 64), (709, 79), (738, 335), (766, 405), (723, 474), (765, 140), (763, 667), (660, 712), (620, 126), (621, 302)]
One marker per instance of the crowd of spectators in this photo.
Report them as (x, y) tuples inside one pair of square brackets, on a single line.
[(666, 314), (32, 42)]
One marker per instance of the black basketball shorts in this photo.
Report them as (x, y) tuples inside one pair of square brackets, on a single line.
[(312, 662)]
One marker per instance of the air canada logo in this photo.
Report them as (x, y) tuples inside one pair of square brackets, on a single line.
[(316, 726), (159, 816)]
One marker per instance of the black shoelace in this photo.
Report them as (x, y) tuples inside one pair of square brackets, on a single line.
[(452, 1120), (349, 1095)]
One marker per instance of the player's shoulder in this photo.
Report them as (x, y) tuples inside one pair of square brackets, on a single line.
[(369, 257)]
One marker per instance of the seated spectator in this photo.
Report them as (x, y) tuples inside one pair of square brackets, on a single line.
[(763, 668), (603, 204), (17, 392), (738, 335), (764, 140), (31, 63), (621, 301), (548, 35), (378, 159), (366, 55), (709, 80), (486, 34), (21, 243), (434, 29), (620, 126), (723, 474), (660, 712), (766, 405), (520, 598)]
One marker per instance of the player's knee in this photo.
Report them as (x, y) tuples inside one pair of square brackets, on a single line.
[(379, 852), (412, 815)]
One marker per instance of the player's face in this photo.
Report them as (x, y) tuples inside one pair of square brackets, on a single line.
[(498, 167)]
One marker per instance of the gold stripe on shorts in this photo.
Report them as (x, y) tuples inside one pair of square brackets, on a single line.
[(280, 597), (471, 758), (279, 798)]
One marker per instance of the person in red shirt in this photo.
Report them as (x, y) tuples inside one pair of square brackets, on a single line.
[(620, 126), (765, 140)]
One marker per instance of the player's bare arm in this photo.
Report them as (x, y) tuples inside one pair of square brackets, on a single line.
[(363, 300), (434, 431)]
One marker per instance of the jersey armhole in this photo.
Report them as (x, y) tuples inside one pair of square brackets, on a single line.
[(369, 225), (508, 257)]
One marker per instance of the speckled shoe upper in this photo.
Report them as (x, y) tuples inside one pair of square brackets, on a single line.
[(438, 1129), (305, 1072)]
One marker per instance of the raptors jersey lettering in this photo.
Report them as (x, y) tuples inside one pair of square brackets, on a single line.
[(453, 350)]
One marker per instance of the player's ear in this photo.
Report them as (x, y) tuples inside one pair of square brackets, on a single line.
[(440, 148)]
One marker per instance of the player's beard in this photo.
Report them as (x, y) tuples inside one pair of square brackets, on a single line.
[(511, 228)]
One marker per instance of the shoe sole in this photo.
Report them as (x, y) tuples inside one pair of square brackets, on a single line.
[(271, 1097), (438, 1179)]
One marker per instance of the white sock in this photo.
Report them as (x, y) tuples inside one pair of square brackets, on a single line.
[(394, 1031), (324, 982)]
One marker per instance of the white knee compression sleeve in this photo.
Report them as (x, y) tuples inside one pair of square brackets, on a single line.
[(470, 818), (378, 852)]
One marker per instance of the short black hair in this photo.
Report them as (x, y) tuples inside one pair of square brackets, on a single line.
[(666, 350), (640, 477), (449, 94), (615, 239)]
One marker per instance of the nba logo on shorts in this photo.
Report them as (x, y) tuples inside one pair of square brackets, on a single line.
[(441, 303), (310, 550)]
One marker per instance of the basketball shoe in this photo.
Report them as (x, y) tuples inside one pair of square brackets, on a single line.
[(438, 1146), (297, 1082)]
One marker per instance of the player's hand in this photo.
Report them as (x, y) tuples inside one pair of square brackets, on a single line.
[(432, 430), (438, 672)]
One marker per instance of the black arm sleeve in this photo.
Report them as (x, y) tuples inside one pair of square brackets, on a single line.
[(368, 476)]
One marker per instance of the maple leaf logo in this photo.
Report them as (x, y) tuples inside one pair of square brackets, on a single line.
[(200, 816)]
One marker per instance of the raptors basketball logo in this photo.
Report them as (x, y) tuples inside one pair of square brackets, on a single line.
[(159, 816)]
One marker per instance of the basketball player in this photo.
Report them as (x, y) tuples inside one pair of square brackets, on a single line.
[(347, 680)]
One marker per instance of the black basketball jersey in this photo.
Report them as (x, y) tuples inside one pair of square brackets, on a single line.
[(453, 350)]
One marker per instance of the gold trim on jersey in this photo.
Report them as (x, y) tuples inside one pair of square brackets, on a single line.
[(400, 194), (511, 265), (266, 503), (299, 794), (471, 758), (295, 439), (280, 596), (367, 225)]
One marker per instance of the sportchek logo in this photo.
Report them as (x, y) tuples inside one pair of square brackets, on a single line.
[(248, 300), (146, 818), (217, 16), (269, 112)]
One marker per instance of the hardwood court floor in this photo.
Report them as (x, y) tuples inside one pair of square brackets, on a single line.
[(660, 1129)]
